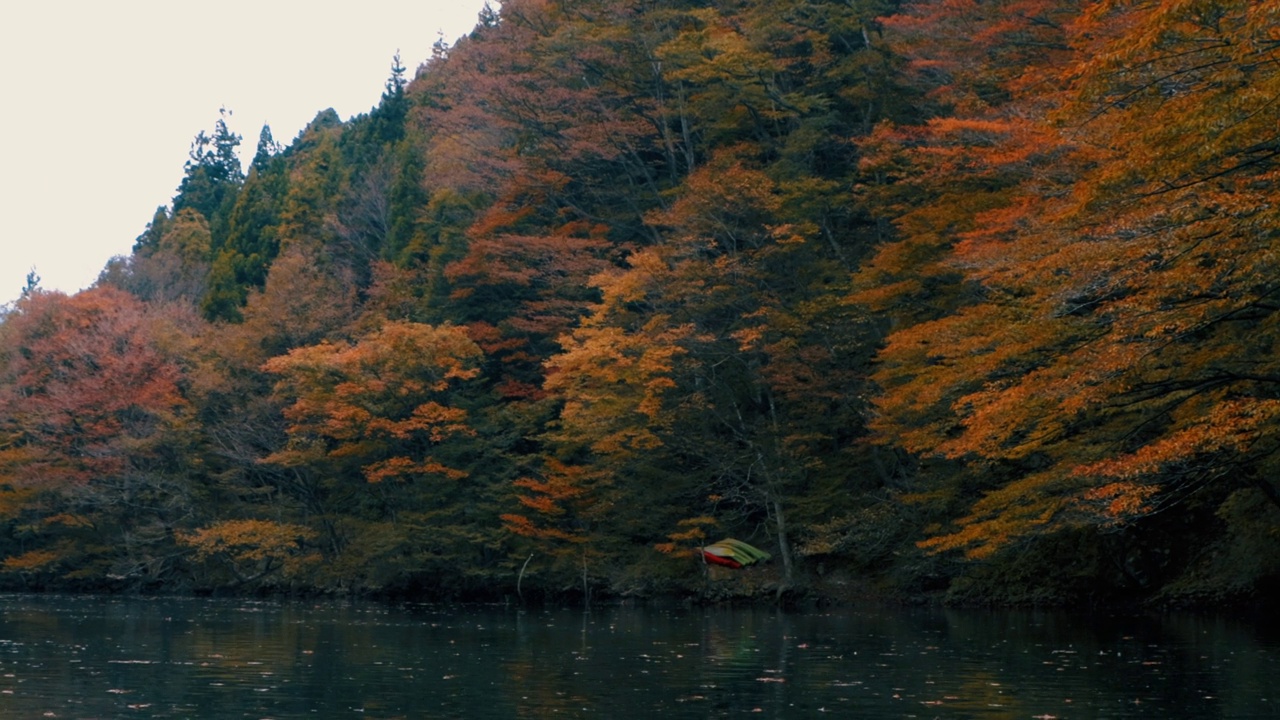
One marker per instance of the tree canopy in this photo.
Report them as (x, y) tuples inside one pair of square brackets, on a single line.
[(923, 298)]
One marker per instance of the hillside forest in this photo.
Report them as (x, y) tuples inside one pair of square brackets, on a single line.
[(974, 301)]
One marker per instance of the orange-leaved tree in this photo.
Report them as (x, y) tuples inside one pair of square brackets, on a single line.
[(381, 422), (1105, 355), (95, 435), (254, 551)]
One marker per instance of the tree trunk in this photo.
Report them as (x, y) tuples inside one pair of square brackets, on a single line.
[(784, 544)]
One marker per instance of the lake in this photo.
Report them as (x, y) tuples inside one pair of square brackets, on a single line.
[(105, 657)]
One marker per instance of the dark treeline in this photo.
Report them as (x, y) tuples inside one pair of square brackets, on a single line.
[(974, 301)]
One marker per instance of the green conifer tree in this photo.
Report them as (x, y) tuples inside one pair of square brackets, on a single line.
[(212, 178)]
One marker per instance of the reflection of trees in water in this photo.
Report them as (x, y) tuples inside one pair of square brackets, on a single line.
[(226, 658)]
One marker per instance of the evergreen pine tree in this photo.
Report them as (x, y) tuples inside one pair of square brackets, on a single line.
[(267, 149), (213, 177)]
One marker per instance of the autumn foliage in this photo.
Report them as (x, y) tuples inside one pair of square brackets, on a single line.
[(974, 299), (1114, 284)]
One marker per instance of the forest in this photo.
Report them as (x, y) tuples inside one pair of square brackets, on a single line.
[(962, 301)]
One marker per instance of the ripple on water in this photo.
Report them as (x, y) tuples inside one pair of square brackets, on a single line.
[(168, 658)]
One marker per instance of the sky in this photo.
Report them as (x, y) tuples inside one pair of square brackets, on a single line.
[(99, 103)]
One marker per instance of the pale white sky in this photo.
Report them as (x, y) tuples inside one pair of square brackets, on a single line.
[(99, 102)]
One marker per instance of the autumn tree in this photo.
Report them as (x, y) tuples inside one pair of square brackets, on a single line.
[(96, 440), (306, 300), (381, 421), (1104, 365), (254, 552), (711, 140), (548, 113), (941, 292)]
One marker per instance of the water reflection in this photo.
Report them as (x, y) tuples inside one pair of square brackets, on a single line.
[(168, 658)]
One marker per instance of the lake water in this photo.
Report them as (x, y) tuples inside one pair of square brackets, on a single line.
[(94, 657)]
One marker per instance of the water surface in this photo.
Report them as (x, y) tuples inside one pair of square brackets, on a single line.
[(95, 657)]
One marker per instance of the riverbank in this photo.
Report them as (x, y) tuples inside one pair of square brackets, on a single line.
[(813, 586)]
